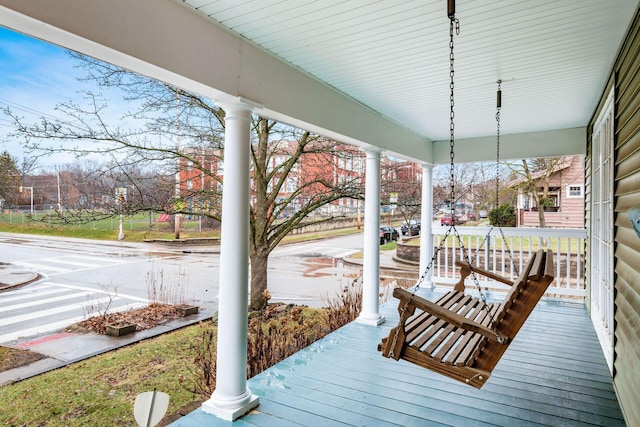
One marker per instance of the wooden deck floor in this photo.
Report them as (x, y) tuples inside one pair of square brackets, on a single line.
[(553, 374)]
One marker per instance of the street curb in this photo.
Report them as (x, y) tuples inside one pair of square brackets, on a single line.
[(49, 364), (11, 284), (402, 267)]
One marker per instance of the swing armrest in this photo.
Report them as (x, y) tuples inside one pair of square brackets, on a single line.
[(468, 267), (445, 314)]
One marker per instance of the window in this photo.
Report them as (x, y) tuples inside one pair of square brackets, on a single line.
[(602, 239), (575, 191), (189, 165), (189, 184)]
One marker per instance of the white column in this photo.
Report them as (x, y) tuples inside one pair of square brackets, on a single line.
[(231, 398), (426, 227), (371, 263)]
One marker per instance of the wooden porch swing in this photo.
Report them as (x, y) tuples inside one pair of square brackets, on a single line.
[(461, 336)]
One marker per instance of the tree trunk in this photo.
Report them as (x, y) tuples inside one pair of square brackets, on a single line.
[(259, 294), (540, 209), (177, 227)]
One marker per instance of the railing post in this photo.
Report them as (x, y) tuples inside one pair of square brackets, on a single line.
[(523, 241), (426, 223)]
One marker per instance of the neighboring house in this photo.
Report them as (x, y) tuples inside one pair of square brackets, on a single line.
[(565, 198)]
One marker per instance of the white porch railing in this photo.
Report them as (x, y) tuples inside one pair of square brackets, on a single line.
[(509, 259)]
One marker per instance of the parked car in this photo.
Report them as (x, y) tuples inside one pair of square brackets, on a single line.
[(388, 234), (483, 214), (448, 220), (414, 224)]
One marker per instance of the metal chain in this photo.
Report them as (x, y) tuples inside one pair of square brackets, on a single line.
[(498, 108), (454, 24)]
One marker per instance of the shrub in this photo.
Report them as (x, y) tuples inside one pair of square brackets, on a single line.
[(503, 216), (274, 333)]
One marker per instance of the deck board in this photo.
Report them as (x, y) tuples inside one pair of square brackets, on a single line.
[(553, 374)]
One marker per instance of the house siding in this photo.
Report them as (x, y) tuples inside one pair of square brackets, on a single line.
[(626, 362), (571, 213)]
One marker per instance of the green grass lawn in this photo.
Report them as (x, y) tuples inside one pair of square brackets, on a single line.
[(100, 391)]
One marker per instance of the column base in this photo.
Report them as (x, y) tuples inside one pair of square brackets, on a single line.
[(230, 409), (426, 284), (370, 319)]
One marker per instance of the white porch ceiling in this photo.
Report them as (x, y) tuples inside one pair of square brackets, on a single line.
[(374, 73), (553, 56)]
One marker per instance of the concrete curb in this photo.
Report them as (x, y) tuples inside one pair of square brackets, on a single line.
[(75, 345), (387, 262), (12, 278)]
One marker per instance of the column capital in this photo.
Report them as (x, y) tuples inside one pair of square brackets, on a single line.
[(239, 104), (427, 166), (372, 150)]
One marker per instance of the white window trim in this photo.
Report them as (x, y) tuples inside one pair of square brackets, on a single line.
[(571, 196), (602, 239)]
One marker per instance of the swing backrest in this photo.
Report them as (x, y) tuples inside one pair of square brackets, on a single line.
[(518, 305)]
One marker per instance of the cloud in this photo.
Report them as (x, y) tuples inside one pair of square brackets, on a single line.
[(35, 77)]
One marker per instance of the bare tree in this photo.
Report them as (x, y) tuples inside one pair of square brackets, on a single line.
[(533, 179), (477, 184), (294, 172), (402, 179)]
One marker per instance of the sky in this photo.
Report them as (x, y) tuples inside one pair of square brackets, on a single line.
[(35, 76)]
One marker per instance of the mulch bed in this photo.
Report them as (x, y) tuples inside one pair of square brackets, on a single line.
[(144, 318), (11, 358)]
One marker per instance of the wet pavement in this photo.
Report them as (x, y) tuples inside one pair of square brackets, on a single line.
[(11, 277), (63, 348)]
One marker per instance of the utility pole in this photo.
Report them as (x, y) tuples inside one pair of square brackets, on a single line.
[(59, 204), (31, 191), (121, 197)]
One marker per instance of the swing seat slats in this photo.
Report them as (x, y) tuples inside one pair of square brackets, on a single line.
[(459, 335)]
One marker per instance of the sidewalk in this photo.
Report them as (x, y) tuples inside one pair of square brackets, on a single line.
[(63, 348), (11, 277)]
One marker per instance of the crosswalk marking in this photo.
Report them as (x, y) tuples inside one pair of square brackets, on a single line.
[(50, 306), (40, 267), (41, 292), (43, 301), (55, 326), (321, 250), (70, 263), (67, 261), (51, 311), (82, 288), (112, 260)]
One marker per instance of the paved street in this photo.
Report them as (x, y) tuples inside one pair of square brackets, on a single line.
[(82, 278), (48, 306)]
